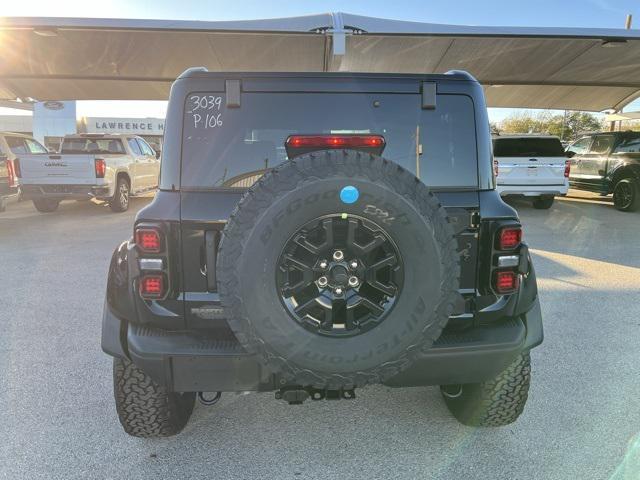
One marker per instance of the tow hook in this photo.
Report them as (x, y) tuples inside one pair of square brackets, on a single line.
[(207, 402), (298, 395)]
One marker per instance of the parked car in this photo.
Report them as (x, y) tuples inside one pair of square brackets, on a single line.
[(301, 243), (608, 163), (12, 147), (108, 167), (531, 165)]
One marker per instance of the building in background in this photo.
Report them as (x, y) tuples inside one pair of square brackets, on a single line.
[(151, 129), (51, 121), (16, 124)]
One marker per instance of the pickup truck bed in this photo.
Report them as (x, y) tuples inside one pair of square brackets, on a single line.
[(63, 177)]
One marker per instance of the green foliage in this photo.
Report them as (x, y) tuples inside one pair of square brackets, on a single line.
[(567, 126)]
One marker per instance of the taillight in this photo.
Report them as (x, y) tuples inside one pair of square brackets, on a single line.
[(17, 171), (567, 168), (148, 240), (152, 286), (101, 167), (509, 238), (10, 174), (299, 144), (506, 282)]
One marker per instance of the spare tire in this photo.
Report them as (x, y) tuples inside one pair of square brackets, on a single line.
[(337, 269)]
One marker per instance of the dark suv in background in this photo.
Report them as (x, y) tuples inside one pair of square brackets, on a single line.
[(317, 233), (608, 163)]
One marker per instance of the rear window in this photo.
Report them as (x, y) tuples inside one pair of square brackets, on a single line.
[(630, 143), (232, 147), (527, 147), (102, 146), (24, 146)]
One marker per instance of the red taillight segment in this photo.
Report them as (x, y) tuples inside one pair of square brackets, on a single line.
[(101, 167), (10, 173), (506, 282), (149, 240), (152, 286), (510, 238), (567, 169), (335, 141)]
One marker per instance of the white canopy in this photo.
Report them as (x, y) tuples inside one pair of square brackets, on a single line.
[(93, 59)]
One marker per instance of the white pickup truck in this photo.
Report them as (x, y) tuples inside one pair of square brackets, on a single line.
[(13, 146), (108, 167), (534, 166)]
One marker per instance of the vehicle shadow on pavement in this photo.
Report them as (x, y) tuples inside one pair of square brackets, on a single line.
[(263, 437), (24, 215), (590, 230)]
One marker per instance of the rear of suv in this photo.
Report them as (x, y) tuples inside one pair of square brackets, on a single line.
[(533, 166), (317, 233)]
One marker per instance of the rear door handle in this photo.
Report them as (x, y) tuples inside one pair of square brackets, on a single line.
[(211, 252)]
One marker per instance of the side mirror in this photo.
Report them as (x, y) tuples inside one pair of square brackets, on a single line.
[(157, 154), (570, 154)]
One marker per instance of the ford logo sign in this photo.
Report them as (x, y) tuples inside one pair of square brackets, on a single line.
[(51, 105)]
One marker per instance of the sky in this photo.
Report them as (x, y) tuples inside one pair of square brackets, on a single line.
[(551, 13)]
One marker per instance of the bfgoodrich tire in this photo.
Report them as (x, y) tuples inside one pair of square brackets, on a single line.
[(306, 215), (146, 409), (493, 403)]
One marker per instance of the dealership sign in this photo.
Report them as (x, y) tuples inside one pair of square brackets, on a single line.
[(51, 105), (138, 126)]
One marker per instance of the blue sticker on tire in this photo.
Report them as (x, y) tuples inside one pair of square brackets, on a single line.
[(349, 194)]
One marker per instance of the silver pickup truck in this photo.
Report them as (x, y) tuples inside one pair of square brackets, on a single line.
[(108, 167)]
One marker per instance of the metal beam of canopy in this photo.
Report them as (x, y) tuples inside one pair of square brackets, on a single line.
[(110, 59)]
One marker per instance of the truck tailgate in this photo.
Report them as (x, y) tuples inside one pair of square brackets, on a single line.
[(531, 171), (57, 169)]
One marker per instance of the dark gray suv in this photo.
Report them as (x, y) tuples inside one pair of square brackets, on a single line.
[(317, 233)]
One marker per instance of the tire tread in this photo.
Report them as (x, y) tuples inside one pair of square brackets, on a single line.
[(146, 409)]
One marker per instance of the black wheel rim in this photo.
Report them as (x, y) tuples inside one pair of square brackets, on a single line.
[(339, 276), (623, 195)]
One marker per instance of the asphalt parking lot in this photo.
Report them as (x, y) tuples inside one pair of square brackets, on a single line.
[(58, 420)]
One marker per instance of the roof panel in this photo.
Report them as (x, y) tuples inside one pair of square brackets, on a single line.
[(70, 58)]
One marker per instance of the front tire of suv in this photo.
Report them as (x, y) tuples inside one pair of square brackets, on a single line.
[(494, 403), (543, 202), (626, 195), (120, 200), (146, 409), (46, 205)]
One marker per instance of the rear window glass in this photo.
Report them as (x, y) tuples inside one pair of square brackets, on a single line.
[(92, 145), (629, 144), (233, 147), (24, 146), (527, 147)]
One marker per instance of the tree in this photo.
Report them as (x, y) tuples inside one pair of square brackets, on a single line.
[(566, 126)]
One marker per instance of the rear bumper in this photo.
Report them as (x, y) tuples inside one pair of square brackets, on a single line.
[(66, 192), (532, 190), (190, 361)]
